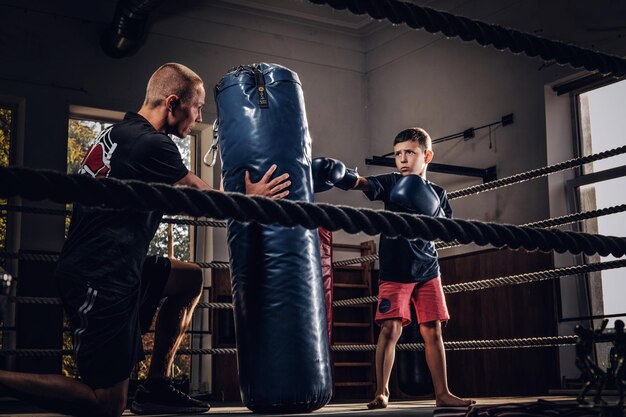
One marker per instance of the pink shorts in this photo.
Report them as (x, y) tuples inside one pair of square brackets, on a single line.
[(395, 298)]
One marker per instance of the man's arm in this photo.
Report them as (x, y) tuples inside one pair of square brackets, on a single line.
[(267, 187), (192, 180)]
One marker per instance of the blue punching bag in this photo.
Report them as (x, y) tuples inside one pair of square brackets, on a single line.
[(280, 317)]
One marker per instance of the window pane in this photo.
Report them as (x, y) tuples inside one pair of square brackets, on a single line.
[(81, 134), (613, 283), (6, 119), (181, 234), (602, 125), (607, 122)]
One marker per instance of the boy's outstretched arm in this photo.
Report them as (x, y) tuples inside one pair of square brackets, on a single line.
[(330, 172), (362, 184)]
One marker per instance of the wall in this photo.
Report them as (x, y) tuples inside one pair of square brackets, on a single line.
[(361, 88), (359, 91), (53, 59), (447, 86)]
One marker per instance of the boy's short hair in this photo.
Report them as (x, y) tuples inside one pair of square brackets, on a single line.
[(415, 134)]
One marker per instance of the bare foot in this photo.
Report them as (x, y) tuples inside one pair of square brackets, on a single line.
[(449, 400), (380, 401)]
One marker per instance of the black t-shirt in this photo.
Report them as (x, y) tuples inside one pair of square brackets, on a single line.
[(403, 260), (107, 245)]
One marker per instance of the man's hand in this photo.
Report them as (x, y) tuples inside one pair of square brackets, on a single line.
[(268, 188)]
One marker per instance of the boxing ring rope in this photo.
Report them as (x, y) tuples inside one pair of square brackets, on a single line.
[(464, 192), (506, 280), (59, 187), (49, 257), (433, 21), (167, 220), (571, 243), (552, 222), (448, 289), (57, 301), (535, 173), (487, 344), (468, 286), (14, 182)]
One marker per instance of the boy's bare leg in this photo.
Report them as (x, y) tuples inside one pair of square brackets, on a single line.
[(390, 331), (66, 395), (436, 359), (183, 290)]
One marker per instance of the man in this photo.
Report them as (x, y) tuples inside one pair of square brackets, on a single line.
[(100, 267)]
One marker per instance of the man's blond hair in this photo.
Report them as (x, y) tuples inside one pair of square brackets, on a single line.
[(168, 79)]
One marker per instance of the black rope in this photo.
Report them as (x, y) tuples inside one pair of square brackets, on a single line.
[(535, 173), (504, 281), (60, 187), (448, 289), (169, 220), (54, 257), (526, 342), (433, 21), (555, 221), (30, 256), (532, 276), (576, 217)]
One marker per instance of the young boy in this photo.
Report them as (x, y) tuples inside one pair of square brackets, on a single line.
[(409, 270)]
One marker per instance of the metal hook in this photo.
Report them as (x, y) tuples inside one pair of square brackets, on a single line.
[(211, 156)]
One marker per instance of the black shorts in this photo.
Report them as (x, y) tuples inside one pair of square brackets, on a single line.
[(107, 322)]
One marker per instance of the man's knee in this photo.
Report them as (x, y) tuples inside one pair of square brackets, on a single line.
[(185, 279), (194, 280), (111, 401), (115, 409)]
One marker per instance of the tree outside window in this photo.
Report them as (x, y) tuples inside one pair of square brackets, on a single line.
[(6, 119)]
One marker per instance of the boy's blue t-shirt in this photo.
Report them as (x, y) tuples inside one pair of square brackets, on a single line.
[(403, 260)]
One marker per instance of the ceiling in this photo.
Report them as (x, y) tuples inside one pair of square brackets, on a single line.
[(599, 25)]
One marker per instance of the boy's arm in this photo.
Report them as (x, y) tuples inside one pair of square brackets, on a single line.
[(330, 172), (362, 184)]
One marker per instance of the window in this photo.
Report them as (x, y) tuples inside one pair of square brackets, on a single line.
[(84, 127), (601, 126), (181, 235), (7, 121), (83, 131)]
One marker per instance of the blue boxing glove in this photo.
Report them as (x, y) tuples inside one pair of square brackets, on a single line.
[(329, 172), (415, 195)]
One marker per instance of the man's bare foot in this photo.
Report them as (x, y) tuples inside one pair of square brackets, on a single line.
[(449, 400), (380, 401)]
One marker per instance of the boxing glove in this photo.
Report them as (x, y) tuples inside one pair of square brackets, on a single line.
[(415, 195), (329, 172)]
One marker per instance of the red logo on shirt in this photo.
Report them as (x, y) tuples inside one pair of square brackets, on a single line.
[(97, 162)]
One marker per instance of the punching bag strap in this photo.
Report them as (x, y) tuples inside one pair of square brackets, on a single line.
[(259, 80), (211, 156)]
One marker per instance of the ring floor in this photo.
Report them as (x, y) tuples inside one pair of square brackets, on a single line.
[(413, 408)]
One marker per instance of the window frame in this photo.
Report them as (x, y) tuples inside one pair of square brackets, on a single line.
[(13, 107), (586, 177)]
